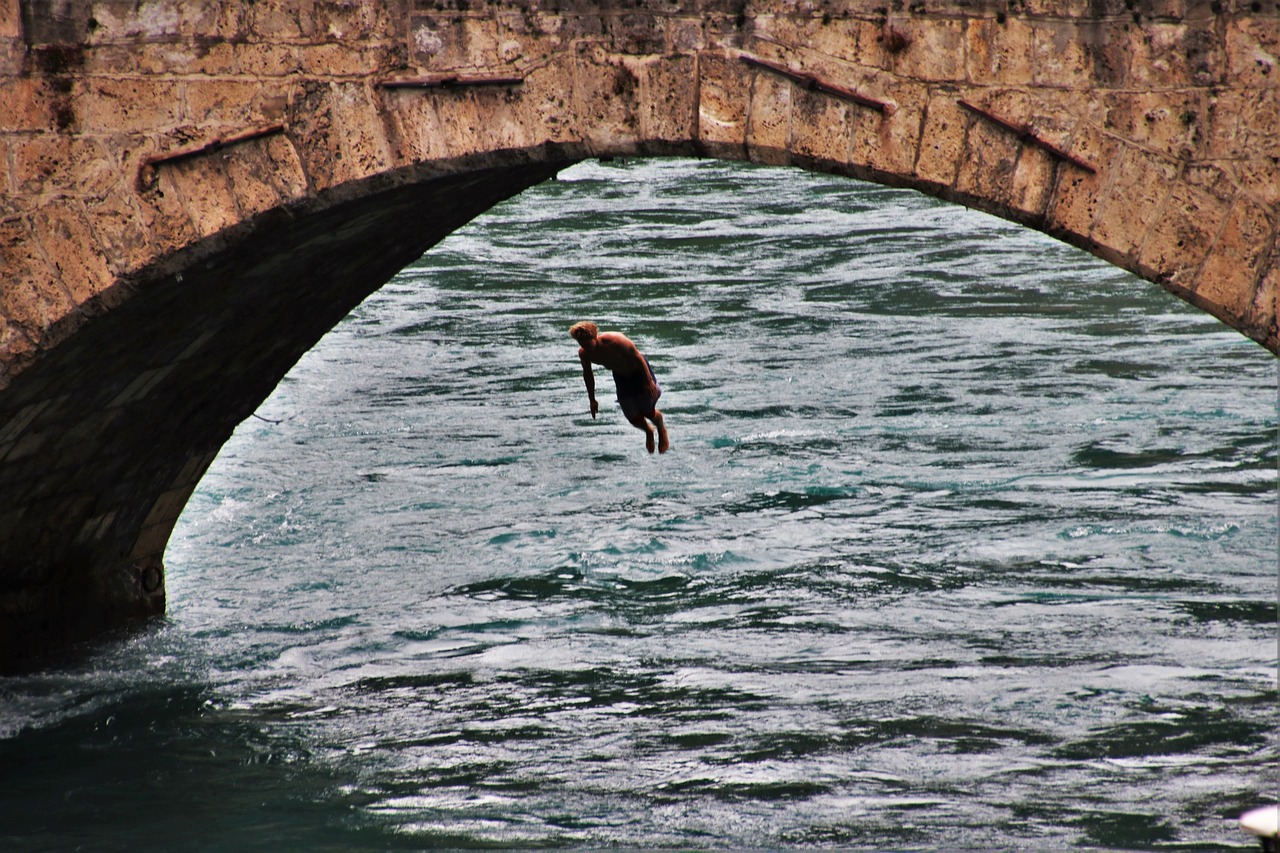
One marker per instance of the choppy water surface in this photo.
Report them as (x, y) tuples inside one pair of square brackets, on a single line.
[(966, 539)]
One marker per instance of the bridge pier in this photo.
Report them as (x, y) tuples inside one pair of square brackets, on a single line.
[(105, 438)]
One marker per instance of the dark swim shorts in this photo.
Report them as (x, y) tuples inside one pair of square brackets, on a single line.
[(633, 393)]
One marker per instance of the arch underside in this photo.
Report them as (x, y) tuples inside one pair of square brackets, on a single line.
[(119, 422), (126, 415)]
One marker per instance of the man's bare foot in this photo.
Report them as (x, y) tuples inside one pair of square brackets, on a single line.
[(648, 441), (663, 444)]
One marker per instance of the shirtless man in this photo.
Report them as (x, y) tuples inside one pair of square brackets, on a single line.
[(638, 390)]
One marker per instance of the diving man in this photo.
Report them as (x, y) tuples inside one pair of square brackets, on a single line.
[(638, 390)]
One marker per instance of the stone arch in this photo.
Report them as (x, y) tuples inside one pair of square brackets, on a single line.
[(198, 191)]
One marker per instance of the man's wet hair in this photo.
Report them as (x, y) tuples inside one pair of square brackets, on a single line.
[(585, 327)]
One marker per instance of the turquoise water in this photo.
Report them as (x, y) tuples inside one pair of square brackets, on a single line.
[(965, 540)]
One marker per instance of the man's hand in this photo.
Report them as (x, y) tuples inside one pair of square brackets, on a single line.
[(595, 407)]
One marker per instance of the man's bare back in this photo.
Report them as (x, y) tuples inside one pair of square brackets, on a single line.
[(616, 352), (638, 390)]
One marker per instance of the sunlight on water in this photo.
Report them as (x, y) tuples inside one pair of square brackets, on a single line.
[(966, 540)]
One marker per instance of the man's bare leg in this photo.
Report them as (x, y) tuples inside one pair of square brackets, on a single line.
[(640, 423), (663, 443)]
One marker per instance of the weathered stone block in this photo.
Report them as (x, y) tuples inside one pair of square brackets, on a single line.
[(117, 22), (119, 231), (818, 38), (1243, 123), (64, 233), (267, 59), (1077, 194), (986, 169), (1164, 10), (1066, 55), (165, 217), (506, 119), (447, 42), (999, 53), (10, 19), (637, 33), (112, 106), (668, 99), (202, 185), (1181, 237), (1053, 124), (132, 58), (234, 105), (32, 296), (251, 173), (1212, 178), (1067, 108), (337, 60), (686, 35), (543, 32), (867, 43), (769, 118), (1257, 177), (1263, 310), (286, 170), (1169, 56), (1170, 122), (934, 51), (1139, 184), (30, 104), (821, 128), (41, 163), (545, 105), (519, 46), (1067, 9), (608, 93), (889, 142), (723, 102), (347, 21), (942, 141), (421, 134), (1033, 182), (340, 134), (1253, 52), (93, 169), (1234, 265), (278, 21)]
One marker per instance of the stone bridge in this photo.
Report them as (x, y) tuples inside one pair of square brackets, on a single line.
[(196, 190)]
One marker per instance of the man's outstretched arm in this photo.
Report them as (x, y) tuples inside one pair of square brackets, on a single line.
[(590, 378)]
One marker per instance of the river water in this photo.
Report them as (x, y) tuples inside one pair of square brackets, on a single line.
[(965, 540)]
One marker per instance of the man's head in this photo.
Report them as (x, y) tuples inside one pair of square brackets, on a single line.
[(584, 332)]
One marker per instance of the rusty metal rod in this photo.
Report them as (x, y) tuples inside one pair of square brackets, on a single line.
[(808, 81), (146, 171), (1028, 134), (448, 81)]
